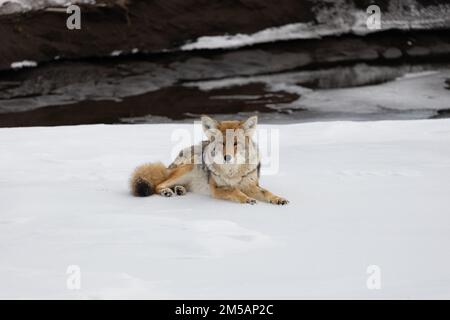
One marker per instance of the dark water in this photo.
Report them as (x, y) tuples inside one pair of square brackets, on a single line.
[(329, 79), (275, 97)]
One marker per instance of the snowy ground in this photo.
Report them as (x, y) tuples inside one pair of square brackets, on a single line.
[(362, 193)]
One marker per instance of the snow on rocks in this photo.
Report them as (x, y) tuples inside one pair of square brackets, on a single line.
[(340, 18), (23, 64), (287, 32), (13, 6)]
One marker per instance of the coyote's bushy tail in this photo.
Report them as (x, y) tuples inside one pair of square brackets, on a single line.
[(146, 177)]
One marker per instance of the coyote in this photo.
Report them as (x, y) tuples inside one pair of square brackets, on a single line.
[(225, 166)]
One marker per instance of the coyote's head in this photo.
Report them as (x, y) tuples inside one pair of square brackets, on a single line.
[(231, 141)]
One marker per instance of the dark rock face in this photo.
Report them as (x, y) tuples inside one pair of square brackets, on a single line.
[(149, 26), (126, 26)]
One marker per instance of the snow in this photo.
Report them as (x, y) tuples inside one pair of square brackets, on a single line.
[(417, 93), (286, 32), (342, 18), (24, 64), (12, 6), (116, 53), (414, 91), (362, 194)]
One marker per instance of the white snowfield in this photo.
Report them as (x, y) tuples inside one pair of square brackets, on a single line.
[(362, 194)]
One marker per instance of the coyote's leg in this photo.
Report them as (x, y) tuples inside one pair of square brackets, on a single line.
[(175, 180), (229, 193), (262, 194)]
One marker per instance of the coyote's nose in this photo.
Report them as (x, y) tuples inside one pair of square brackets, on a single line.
[(227, 158)]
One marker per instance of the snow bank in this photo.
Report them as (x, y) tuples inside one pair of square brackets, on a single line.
[(366, 193), (23, 64), (286, 32), (12, 6), (334, 19)]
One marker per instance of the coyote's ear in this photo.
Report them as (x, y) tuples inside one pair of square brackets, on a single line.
[(249, 125), (209, 125)]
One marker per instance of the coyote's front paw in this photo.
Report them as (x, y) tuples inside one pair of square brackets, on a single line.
[(166, 192), (279, 201), (250, 201), (180, 190)]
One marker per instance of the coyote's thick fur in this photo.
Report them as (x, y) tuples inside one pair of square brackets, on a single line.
[(225, 166)]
